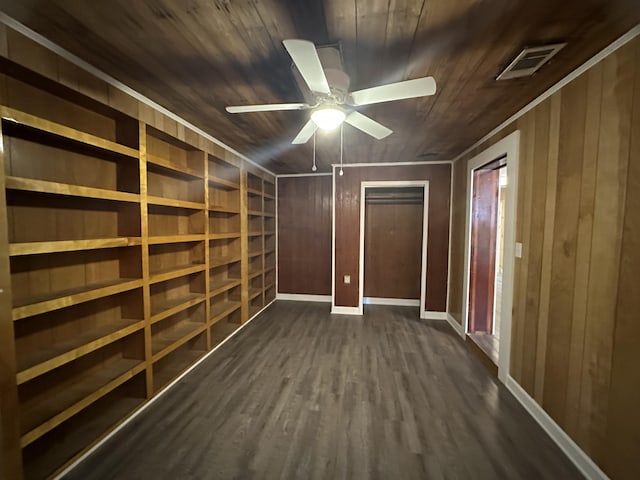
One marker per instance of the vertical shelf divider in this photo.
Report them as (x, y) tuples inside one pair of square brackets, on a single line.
[(144, 235), (10, 455), (244, 246), (262, 240), (207, 249)]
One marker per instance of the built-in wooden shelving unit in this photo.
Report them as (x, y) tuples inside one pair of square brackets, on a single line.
[(261, 240), (131, 253)]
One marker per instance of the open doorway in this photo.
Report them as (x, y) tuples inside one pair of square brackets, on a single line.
[(393, 243), (488, 202), (490, 250)]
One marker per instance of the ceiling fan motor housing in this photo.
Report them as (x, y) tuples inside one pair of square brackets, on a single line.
[(339, 81)]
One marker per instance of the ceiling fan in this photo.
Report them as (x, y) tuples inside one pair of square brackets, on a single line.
[(333, 103)]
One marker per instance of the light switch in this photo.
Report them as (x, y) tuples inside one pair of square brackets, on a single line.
[(347, 279), (518, 250)]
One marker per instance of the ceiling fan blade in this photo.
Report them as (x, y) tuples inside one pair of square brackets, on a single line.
[(305, 134), (419, 87), (367, 125), (304, 55), (271, 107)]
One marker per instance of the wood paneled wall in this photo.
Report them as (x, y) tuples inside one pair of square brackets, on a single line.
[(576, 320), (347, 224), (304, 234)]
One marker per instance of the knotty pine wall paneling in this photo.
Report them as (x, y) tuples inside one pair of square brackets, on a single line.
[(304, 234), (575, 326), (347, 224)]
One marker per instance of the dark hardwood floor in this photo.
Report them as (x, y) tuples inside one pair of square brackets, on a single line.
[(302, 394)]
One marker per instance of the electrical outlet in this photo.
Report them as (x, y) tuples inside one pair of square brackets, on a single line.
[(347, 279)]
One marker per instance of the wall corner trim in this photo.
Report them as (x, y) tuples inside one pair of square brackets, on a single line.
[(579, 458), (301, 297), (458, 328), (337, 310)]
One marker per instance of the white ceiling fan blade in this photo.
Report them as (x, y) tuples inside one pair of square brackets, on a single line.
[(271, 107), (304, 55), (419, 87), (367, 125), (305, 134)]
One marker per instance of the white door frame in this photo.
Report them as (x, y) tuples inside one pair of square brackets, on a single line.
[(509, 147), (424, 184)]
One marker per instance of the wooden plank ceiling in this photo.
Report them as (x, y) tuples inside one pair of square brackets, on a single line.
[(194, 57)]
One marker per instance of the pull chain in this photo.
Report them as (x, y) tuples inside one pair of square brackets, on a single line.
[(314, 168), (341, 145)]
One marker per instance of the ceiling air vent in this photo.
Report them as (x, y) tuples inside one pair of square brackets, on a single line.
[(529, 61)]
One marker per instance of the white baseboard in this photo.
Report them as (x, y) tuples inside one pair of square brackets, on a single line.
[(431, 315), (455, 325), (581, 460), (398, 302), (345, 310), (300, 297), (153, 399)]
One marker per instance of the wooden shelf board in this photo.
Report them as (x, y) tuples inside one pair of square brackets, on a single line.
[(224, 260), (224, 236), (254, 293), (71, 348), (57, 246), (269, 268), (175, 272), (224, 209), (55, 188), (216, 288), (162, 377), (269, 285), (44, 414), (269, 250), (159, 239), (255, 254), (269, 196), (269, 232), (254, 234), (166, 342), (222, 309), (55, 458), (180, 170), (254, 213), (162, 310), (223, 182), (254, 191), (255, 273), (268, 214), (74, 296), (21, 118), (174, 203)]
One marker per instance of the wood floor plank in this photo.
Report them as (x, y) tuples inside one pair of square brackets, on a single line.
[(301, 393)]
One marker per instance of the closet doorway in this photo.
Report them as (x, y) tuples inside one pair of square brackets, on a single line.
[(393, 243)]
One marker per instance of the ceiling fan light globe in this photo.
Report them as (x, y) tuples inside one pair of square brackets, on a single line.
[(328, 118)]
